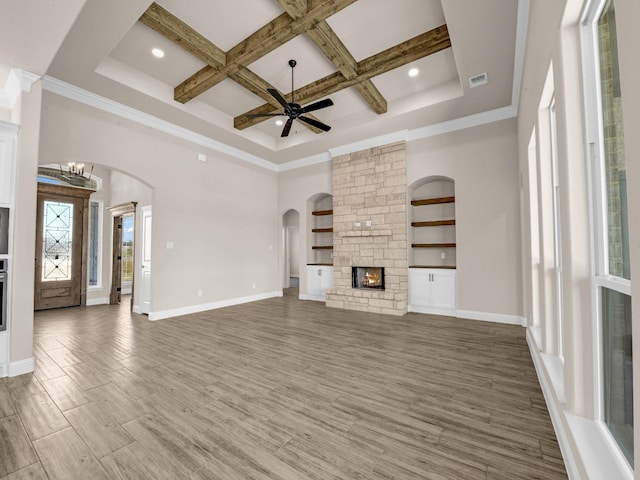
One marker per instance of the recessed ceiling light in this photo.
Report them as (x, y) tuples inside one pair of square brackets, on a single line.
[(414, 72), (279, 123), (157, 52)]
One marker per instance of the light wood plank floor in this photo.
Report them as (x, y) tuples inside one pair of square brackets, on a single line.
[(277, 389)]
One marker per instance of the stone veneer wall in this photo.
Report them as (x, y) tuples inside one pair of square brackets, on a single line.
[(370, 185)]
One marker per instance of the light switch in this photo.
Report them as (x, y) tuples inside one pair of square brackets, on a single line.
[(169, 245), (358, 224), (368, 223)]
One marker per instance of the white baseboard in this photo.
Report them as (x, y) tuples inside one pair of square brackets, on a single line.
[(4, 370), (97, 301), (21, 367), (449, 312), (176, 312), (492, 317), (587, 449)]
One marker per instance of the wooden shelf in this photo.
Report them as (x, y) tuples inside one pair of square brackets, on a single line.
[(446, 267), (322, 230), (433, 245), (433, 223), (433, 201), (322, 247), (319, 213)]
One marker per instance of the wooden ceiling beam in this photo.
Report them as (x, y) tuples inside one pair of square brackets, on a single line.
[(171, 27), (330, 44), (418, 47), (274, 34)]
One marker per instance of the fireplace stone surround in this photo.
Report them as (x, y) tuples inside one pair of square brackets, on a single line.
[(370, 228)]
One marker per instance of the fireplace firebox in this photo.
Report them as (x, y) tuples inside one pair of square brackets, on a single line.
[(367, 277)]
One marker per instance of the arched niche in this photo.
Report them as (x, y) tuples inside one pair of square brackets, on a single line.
[(432, 217), (320, 226)]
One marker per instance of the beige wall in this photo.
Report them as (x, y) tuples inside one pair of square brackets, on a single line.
[(483, 162), (221, 215)]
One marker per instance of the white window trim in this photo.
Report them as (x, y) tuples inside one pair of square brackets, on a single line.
[(600, 277), (98, 286)]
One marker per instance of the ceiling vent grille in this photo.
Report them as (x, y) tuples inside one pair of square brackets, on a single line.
[(478, 80)]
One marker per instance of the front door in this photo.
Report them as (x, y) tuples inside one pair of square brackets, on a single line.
[(60, 267)]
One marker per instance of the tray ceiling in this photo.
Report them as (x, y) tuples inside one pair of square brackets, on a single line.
[(220, 57)]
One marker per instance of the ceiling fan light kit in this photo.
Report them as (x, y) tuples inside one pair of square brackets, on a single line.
[(294, 110)]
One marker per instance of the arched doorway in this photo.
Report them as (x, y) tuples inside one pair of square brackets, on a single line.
[(291, 247)]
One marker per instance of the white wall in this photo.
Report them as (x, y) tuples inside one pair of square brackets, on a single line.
[(221, 215)]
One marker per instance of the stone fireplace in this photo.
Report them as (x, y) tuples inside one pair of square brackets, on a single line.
[(370, 230)]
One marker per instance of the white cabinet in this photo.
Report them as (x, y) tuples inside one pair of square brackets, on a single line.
[(432, 290), (319, 279), (8, 134)]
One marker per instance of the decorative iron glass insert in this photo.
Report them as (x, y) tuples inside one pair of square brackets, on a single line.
[(367, 277), (57, 241)]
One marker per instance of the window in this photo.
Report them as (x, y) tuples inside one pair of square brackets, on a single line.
[(612, 275), (557, 230), (94, 250)]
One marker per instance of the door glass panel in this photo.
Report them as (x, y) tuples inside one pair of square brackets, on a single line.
[(127, 248), (57, 241)]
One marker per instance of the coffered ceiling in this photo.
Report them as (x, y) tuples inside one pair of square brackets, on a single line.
[(220, 57)]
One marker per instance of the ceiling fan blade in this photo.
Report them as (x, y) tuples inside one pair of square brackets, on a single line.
[(276, 94), (287, 128), (317, 106), (315, 123), (255, 115)]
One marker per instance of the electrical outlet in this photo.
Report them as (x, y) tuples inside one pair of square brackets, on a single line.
[(199, 293), (442, 255), (368, 224), (253, 285), (358, 224)]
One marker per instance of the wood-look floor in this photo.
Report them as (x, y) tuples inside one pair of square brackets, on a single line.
[(276, 389)]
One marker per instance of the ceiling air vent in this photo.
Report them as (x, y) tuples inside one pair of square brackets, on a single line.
[(478, 80)]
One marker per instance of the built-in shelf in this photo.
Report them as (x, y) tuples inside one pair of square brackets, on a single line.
[(446, 267), (322, 247), (433, 201), (433, 223), (322, 230), (320, 213), (433, 245)]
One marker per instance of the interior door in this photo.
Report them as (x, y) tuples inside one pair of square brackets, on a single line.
[(145, 278), (60, 267)]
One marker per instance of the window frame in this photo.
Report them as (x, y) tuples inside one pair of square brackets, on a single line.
[(601, 278)]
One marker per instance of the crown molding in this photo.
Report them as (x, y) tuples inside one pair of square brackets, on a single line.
[(17, 82), (86, 97)]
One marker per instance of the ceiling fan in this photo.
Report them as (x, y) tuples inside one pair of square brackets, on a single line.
[(294, 110)]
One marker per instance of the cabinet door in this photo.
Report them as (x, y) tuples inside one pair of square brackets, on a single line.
[(419, 287), (326, 280), (314, 280), (443, 288)]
